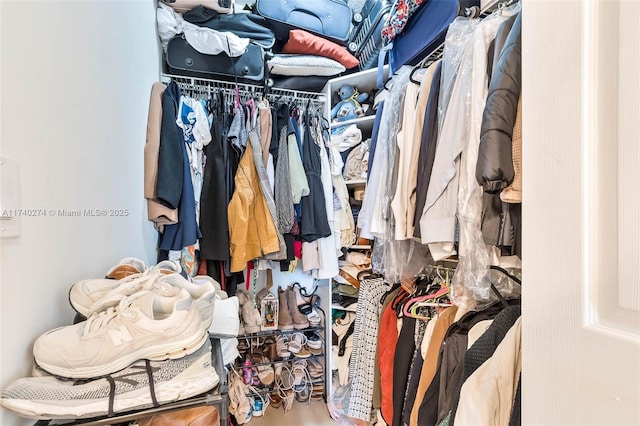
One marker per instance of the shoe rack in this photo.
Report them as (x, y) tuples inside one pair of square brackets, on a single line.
[(252, 343), (217, 397)]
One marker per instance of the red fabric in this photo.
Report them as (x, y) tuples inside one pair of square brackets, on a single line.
[(387, 340), (247, 281), (297, 249), (304, 43)]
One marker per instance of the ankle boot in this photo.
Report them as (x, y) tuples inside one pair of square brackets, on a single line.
[(251, 318), (285, 322), (299, 319)]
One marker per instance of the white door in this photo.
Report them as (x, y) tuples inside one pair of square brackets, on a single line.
[(581, 212)]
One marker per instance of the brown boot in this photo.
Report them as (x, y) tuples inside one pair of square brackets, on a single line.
[(299, 319), (285, 322)]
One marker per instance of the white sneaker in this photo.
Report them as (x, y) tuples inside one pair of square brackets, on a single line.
[(143, 326), (202, 290), (49, 397), (84, 294)]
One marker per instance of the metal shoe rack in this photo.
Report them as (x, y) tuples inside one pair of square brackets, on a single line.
[(217, 397), (321, 330)]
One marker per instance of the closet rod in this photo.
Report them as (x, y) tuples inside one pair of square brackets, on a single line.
[(251, 88), (470, 12)]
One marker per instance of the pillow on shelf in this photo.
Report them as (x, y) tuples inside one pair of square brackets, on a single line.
[(304, 65), (304, 43)]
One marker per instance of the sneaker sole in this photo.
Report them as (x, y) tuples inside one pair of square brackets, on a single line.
[(172, 391), (159, 352)]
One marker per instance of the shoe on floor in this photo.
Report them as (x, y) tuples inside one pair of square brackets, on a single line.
[(259, 405), (50, 397), (275, 399), (142, 326)]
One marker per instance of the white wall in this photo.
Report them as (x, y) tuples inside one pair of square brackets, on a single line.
[(75, 83)]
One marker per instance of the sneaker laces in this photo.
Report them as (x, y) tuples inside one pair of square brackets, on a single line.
[(98, 321), (129, 286)]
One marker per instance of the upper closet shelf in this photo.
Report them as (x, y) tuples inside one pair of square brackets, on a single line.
[(365, 124), (355, 182)]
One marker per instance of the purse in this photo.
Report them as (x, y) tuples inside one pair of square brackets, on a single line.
[(196, 416), (327, 18), (183, 59), (181, 6)]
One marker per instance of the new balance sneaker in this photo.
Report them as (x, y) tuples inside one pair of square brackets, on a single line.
[(84, 294), (144, 325), (49, 397), (124, 268), (202, 289)]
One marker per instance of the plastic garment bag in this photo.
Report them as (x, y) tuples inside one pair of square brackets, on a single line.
[(472, 277)]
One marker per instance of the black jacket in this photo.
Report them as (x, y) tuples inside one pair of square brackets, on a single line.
[(494, 170), (170, 161)]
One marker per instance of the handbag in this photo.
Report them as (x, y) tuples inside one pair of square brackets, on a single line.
[(425, 30), (195, 416), (183, 59), (327, 18), (181, 6), (245, 25)]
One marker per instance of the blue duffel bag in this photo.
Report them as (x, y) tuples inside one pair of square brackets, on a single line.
[(330, 19)]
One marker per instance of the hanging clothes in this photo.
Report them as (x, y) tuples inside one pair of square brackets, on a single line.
[(426, 407), (404, 143), (266, 191), (313, 223), (169, 184), (426, 153), (472, 271), (407, 204), (497, 379), (193, 120), (157, 212), (214, 244), (186, 231), (365, 338), (327, 250), (401, 365), (438, 219), (485, 346), (252, 231), (299, 182), (283, 193)]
